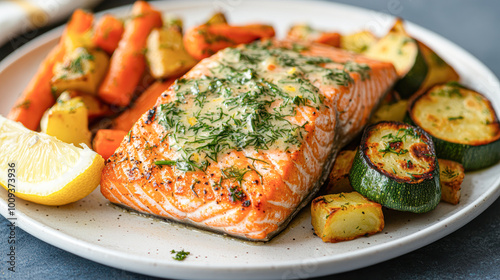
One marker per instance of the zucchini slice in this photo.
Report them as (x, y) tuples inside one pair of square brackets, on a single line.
[(405, 54), (462, 123), (394, 111), (396, 166), (439, 71)]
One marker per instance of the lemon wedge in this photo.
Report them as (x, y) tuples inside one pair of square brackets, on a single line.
[(47, 170)]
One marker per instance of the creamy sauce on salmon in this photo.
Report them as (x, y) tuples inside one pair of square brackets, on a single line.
[(248, 101)]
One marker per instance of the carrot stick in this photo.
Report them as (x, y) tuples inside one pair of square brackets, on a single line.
[(205, 40), (329, 38), (37, 97), (107, 33), (79, 24), (106, 141), (127, 63), (146, 101)]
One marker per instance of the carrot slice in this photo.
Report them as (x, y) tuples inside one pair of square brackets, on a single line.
[(205, 40), (127, 62), (37, 97), (329, 38), (107, 33), (106, 141), (146, 101)]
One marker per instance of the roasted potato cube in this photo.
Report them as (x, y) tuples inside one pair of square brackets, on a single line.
[(217, 18), (390, 112), (170, 20), (81, 70), (451, 177), (67, 121), (358, 42), (345, 216), (95, 107), (339, 177), (305, 33), (166, 55)]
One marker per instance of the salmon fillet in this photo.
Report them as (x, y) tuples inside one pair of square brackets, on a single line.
[(246, 138)]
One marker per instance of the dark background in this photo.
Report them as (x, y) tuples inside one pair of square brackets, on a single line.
[(472, 252)]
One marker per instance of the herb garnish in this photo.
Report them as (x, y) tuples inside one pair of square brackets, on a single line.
[(179, 255), (400, 138), (448, 172), (76, 66), (388, 149), (455, 118), (239, 105)]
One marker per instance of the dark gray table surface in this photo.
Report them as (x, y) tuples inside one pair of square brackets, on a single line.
[(472, 252)]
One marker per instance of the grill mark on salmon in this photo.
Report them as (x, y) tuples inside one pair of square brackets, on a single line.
[(277, 183)]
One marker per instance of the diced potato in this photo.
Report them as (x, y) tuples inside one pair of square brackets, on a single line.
[(95, 107), (217, 18), (67, 121), (345, 216), (305, 33), (451, 177), (81, 70), (358, 42), (74, 41), (166, 55), (171, 20), (339, 177), (390, 112)]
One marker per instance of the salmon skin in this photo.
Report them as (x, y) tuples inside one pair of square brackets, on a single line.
[(244, 140)]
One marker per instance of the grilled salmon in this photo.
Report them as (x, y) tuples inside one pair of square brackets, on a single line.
[(244, 140)]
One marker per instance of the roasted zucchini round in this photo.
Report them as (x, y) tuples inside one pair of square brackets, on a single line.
[(396, 166), (462, 123), (407, 57)]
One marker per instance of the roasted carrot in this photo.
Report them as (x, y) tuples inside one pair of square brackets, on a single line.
[(78, 31), (107, 33), (205, 40), (145, 102), (329, 38), (106, 141), (37, 97), (80, 21), (127, 62)]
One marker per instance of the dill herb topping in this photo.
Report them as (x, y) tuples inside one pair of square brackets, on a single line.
[(392, 146), (449, 173), (179, 255), (76, 66), (243, 103), (399, 138), (389, 149)]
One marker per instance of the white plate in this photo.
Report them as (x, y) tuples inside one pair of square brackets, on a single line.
[(93, 229)]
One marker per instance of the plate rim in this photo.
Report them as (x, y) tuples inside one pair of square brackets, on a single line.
[(156, 267)]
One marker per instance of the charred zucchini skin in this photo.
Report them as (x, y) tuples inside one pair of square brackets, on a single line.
[(472, 157), (394, 193), (413, 80)]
